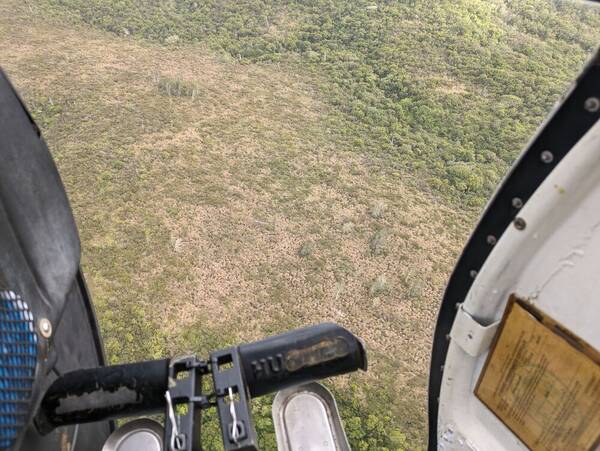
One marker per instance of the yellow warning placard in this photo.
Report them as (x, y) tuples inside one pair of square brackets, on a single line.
[(542, 381)]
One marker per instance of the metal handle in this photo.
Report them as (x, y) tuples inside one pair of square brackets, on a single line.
[(264, 366), (95, 394), (300, 356)]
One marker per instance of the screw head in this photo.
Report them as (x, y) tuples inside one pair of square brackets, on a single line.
[(519, 223), (517, 202), (547, 157), (592, 104), (45, 327), (491, 240)]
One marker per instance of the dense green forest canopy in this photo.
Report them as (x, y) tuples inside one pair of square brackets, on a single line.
[(447, 90)]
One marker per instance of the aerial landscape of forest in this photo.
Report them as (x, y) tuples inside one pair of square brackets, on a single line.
[(237, 169)]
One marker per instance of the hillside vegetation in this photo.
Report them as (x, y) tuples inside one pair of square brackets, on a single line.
[(237, 169), (449, 89)]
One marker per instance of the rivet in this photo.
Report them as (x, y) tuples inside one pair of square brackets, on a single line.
[(45, 327), (447, 337), (592, 104), (519, 223), (473, 273), (517, 202), (547, 157), (491, 240)]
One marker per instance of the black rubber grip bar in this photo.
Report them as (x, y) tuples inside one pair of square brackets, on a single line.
[(300, 356), (94, 394), (269, 365)]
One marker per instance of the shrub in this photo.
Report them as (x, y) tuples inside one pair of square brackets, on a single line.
[(176, 88), (378, 243), (379, 286)]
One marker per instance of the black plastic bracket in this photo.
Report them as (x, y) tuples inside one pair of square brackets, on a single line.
[(185, 404), (233, 401)]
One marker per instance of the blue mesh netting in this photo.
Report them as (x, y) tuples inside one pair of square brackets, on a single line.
[(18, 357)]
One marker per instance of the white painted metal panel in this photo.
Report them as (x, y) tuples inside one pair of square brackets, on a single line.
[(555, 262)]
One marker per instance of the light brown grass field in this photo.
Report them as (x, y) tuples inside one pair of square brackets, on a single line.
[(193, 211)]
